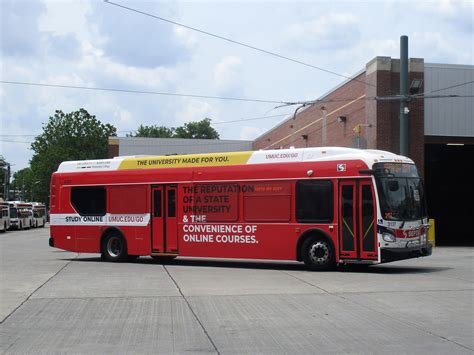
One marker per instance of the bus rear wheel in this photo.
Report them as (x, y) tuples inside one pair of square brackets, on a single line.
[(318, 254), (114, 248)]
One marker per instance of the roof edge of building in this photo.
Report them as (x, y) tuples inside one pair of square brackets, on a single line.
[(177, 139), (327, 93), (449, 66)]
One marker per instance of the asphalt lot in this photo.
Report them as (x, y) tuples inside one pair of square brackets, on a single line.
[(56, 301)]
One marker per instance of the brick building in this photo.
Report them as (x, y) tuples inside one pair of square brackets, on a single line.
[(441, 131), (349, 115)]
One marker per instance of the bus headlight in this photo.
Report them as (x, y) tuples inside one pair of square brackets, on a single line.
[(388, 237)]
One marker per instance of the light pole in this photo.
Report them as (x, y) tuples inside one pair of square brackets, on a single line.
[(404, 145)]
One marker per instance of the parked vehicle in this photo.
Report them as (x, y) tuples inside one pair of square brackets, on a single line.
[(21, 215), (39, 214), (4, 216)]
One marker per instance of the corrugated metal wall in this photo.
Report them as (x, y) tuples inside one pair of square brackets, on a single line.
[(449, 116), (164, 146)]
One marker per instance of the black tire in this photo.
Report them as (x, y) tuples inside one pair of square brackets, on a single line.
[(318, 254), (114, 248), (4, 227)]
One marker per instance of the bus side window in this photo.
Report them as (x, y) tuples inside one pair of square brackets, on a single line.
[(314, 201), (171, 203), (88, 201), (157, 203)]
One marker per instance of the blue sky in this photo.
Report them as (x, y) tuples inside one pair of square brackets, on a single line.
[(91, 43)]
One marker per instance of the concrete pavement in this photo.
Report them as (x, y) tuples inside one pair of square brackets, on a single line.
[(55, 301)]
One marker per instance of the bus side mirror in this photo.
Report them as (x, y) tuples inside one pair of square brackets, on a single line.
[(393, 185)]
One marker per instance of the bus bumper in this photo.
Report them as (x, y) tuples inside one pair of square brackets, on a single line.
[(393, 254), (51, 242)]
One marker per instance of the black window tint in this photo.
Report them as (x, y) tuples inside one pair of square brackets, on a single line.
[(347, 216), (88, 201), (368, 236), (172, 203), (314, 201), (157, 203)]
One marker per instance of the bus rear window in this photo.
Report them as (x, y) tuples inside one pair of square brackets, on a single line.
[(314, 201), (88, 201)]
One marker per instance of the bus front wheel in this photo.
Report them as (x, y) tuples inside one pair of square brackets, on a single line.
[(114, 248), (318, 254)]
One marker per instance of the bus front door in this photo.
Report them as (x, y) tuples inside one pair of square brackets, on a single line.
[(164, 223), (357, 220)]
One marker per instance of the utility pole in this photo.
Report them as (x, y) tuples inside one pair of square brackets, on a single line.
[(324, 130), (404, 95)]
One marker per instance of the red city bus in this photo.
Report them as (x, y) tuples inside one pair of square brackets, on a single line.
[(323, 206)]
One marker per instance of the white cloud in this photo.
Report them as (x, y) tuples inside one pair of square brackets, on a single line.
[(136, 40), (66, 17), (250, 133), (332, 31), (227, 75), (194, 110), (186, 37), (125, 117), (227, 69)]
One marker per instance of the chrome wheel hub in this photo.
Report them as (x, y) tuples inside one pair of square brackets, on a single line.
[(114, 246), (319, 253)]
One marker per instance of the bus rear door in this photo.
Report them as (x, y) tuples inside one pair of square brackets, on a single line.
[(357, 220), (164, 222)]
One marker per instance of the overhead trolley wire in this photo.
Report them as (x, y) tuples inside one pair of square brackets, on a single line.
[(284, 103), (142, 92), (10, 141), (447, 88)]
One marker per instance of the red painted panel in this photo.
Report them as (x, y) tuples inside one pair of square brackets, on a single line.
[(127, 199), (267, 208)]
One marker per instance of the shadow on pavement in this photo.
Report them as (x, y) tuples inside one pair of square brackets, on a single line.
[(275, 265), (391, 269)]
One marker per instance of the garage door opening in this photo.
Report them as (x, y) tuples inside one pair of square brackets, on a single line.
[(450, 192)]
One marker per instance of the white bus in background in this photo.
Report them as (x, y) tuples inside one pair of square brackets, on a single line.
[(21, 215), (31, 219), (39, 214), (4, 216)]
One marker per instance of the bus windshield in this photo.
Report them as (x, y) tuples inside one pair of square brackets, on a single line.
[(13, 212), (400, 191)]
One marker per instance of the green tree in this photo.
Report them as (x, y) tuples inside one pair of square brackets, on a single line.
[(200, 129), (24, 181), (153, 132), (76, 135), (4, 177)]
